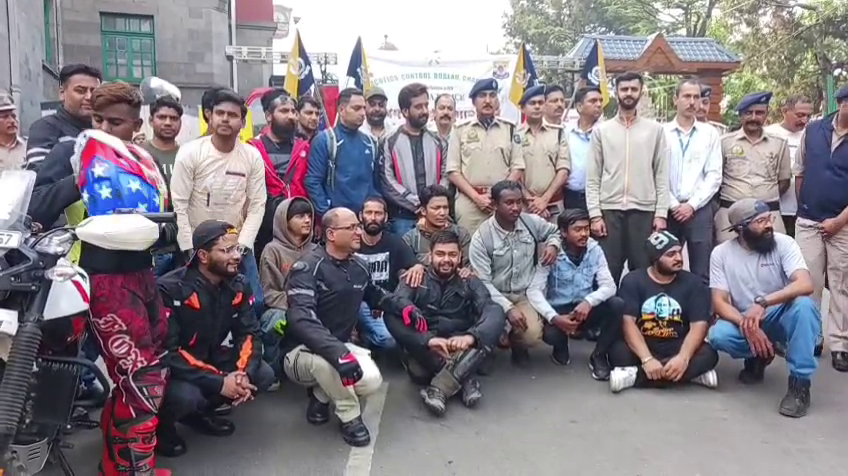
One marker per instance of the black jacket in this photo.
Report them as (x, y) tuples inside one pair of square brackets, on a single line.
[(324, 295), (200, 316), (452, 307), (49, 131)]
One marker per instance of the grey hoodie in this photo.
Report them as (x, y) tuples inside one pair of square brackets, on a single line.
[(279, 255)]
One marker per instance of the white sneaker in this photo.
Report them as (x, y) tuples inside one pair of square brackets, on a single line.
[(708, 379), (622, 377), (274, 386)]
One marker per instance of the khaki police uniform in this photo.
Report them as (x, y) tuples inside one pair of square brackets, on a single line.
[(545, 153), (751, 170), (484, 157)]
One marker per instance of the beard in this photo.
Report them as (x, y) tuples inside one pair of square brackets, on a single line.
[(418, 122), (628, 103), (220, 269), (763, 243), (374, 228), (285, 129), (377, 119), (665, 270), (445, 270)]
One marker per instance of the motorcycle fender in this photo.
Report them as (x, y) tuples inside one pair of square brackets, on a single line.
[(68, 298)]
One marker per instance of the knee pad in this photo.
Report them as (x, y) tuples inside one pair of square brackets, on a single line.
[(145, 389)]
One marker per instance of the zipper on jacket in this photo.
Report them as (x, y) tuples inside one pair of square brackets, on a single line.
[(208, 198), (626, 162)]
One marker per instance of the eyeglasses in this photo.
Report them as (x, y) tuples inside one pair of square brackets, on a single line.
[(763, 220), (351, 227), (232, 249)]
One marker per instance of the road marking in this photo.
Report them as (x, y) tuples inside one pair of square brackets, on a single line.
[(359, 459)]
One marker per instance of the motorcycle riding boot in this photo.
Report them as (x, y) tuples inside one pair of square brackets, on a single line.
[(454, 377), (128, 443)]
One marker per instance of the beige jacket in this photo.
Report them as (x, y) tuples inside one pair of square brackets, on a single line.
[(278, 257), (208, 184)]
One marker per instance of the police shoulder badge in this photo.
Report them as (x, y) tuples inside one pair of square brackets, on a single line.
[(472, 135), (737, 151)]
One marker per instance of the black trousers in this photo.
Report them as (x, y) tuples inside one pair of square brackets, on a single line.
[(704, 360), (698, 234), (627, 231), (573, 199), (606, 316)]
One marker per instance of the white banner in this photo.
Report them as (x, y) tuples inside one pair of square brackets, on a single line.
[(455, 76)]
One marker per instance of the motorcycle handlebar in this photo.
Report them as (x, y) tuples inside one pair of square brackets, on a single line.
[(161, 217)]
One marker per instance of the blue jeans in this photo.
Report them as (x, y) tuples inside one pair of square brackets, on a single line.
[(374, 332), (399, 226), (796, 322), (251, 271), (272, 340)]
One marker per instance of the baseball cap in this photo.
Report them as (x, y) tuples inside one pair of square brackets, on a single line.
[(741, 213), (208, 232), (7, 102), (375, 92)]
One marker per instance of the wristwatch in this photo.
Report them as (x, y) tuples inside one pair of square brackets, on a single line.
[(761, 301)]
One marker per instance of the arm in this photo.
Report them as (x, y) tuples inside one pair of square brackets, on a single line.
[(465, 245), (800, 281), (316, 175), (56, 187), (403, 298), (481, 263), (606, 285), (443, 146), (536, 293), (394, 191), (661, 179), (698, 310), (708, 187), (453, 167), (784, 169), (517, 163), (245, 330), (256, 198), (182, 178), (273, 281), (800, 157), (491, 318), (562, 166), (42, 139), (629, 293), (722, 303), (594, 171)]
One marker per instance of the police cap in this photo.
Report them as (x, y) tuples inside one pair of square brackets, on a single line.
[(486, 84), (531, 92), (753, 100)]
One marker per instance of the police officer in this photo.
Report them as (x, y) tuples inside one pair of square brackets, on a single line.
[(545, 150), (704, 110), (324, 290), (482, 151), (756, 164)]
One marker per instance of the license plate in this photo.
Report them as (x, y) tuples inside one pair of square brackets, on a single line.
[(10, 240)]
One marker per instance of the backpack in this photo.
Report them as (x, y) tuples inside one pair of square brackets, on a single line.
[(332, 151)]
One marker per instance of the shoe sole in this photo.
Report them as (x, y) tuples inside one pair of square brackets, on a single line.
[(792, 415), (357, 443), (599, 378), (472, 402), (557, 362), (317, 421)]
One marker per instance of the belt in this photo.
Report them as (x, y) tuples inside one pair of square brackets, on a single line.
[(773, 206)]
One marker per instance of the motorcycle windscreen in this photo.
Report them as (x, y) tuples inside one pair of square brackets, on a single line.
[(17, 188)]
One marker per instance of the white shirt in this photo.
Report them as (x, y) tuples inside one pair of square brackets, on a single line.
[(788, 201), (694, 176)]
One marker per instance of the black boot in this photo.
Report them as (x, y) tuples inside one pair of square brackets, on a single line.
[(209, 425), (471, 393), (169, 443), (561, 355), (435, 400), (600, 367), (317, 412), (754, 371), (797, 400), (355, 433), (840, 361)]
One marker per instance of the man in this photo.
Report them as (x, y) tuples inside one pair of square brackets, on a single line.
[(375, 113), (413, 158), (761, 289), (504, 254), (293, 220), (308, 117), (580, 294), (342, 159), (822, 216), (444, 116), (206, 301), (797, 111), (694, 177), (554, 104), (447, 327), (666, 317), (166, 121), (126, 312), (590, 107), (627, 179), (12, 147), (756, 165), (76, 85), (324, 291), (482, 152), (546, 162), (435, 206), (704, 110), (219, 177)]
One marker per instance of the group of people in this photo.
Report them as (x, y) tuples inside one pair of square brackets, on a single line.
[(437, 243)]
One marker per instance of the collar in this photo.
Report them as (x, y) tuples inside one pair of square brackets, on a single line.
[(519, 226), (675, 126), (77, 122), (194, 276), (431, 272), (19, 141), (525, 127), (333, 259), (740, 135), (628, 124)]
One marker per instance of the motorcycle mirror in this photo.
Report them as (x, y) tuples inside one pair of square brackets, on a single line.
[(153, 88)]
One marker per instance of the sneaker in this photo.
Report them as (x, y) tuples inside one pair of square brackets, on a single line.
[(274, 386), (355, 433), (754, 370), (708, 379), (471, 393), (622, 378), (435, 400), (561, 355), (317, 412), (797, 400), (600, 367)]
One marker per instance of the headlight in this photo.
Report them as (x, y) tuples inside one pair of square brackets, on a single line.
[(57, 244)]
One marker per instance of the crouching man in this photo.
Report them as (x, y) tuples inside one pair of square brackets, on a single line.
[(446, 328), (324, 291), (761, 288), (206, 300)]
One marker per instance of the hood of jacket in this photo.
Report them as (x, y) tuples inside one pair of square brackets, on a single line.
[(281, 229)]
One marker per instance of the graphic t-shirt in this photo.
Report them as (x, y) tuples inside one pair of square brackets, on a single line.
[(280, 154), (387, 259), (165, 159), (664, 312)]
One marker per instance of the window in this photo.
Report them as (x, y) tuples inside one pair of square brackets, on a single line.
[(51, 45), (129, 47)]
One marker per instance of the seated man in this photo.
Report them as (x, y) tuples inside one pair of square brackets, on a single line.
[(761, 288), (324, 291), (447, 327), (666, 316), (580, 293), (435, 207), (205, 301)]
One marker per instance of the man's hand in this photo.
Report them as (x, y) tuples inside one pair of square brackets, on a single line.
[(653, 369), (659, 224), (440, 346), (537, 205), (465, 273), (581, 312), (414, 276), (549, 255), (752, 318), (517, 319), (349, 370), (460, 343), (760, 344), (483, 202), (231, 388), (683, 212), (675, 368), (831, 226), (566, 323), (413, 317), (599, 228)]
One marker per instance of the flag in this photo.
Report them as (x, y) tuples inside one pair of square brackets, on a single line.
[(524, 76), (594, 71), (357, 67), (299, 77)]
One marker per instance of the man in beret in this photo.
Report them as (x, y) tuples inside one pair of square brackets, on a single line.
[(666, 317), (822, 235), (546, 162), (482, 151), (704, 110), (554, 104), (760, 292), (756, 165)]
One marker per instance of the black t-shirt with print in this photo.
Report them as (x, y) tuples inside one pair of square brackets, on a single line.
[(387, 259), (279, 152), (664, 312)]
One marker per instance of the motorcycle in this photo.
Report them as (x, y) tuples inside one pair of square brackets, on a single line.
[(43, 298)]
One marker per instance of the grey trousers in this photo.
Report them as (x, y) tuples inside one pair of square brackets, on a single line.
[(627, 232), (697, 234)]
